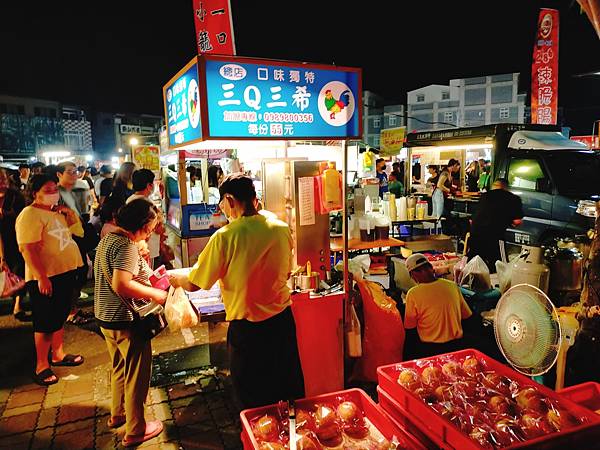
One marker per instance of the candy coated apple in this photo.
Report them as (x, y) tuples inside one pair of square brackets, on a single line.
[(499, 404), (352, 419), (505, 432), (451, 370), (304, 420), (308, 441), (408, 378), (472, 366), (560, 419), (431, 376), (271, 446), (534, 425), (442, 393), (266, 428), (348, 411), (425, 394), (530, 398), (481, 436), (326, 426)]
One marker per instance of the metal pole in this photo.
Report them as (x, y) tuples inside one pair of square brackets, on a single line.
[(345, 218)]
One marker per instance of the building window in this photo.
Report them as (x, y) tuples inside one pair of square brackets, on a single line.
[(420, 98), (393, 121), (377, 123), (376, 141), (73, 140), (504, 113), (445, 95), (448, 116)]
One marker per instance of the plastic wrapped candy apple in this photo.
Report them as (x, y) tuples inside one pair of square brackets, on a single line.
[(472, 366), (534, 425), (560, 419), (307, 441), (304, 420), (353, 422), (271, 446), (506, 431), (431, 376), (266, 428), (408, 379), (327, 427), (425, 394), (465, 390), (496, 382), (452, 370), (481, 436), (443, 392), (500, 405), (530, 398)]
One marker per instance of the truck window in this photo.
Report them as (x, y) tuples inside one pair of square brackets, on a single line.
[(524, 172), (575, 173)]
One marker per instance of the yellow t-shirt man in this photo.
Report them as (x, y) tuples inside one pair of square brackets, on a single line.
[(56, 248), (436, 310), (252, 258)]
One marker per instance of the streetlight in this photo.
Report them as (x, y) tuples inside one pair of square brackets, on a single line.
[(133, 141)]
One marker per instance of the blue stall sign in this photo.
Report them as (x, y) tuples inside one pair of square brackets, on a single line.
[(280, 100), (181, 97)]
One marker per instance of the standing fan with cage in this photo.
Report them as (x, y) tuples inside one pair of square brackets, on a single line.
[(532, 334)]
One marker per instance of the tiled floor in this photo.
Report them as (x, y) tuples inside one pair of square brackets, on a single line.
[(194, 404)]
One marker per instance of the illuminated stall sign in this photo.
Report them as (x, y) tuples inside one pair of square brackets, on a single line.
[(249, 98), (181, 97)]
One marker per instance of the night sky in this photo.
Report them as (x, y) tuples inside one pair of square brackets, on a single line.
[(116, 56)]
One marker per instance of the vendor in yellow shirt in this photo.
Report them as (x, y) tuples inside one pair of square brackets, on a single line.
[(251, 257), (435, 307)]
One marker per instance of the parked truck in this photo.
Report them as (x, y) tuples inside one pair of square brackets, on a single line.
[(558, 179)]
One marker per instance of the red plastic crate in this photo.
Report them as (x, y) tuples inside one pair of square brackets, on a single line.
[(584, 394), (400, 418), (372, 412), (447, 435)]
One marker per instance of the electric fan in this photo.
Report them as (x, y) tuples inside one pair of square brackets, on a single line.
[(532, 334)]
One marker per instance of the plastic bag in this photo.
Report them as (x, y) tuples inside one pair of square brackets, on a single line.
[(504, 272), (10, 283), (475, 275), (458, 267), (179, 311), (383, 338)]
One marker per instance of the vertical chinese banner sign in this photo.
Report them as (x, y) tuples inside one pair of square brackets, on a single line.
[(214, 27), (544, 70)]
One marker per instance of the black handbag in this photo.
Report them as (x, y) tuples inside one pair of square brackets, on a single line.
[(149, 320)]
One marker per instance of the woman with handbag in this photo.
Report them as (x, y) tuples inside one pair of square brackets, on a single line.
[(122, 292), (44, 233)]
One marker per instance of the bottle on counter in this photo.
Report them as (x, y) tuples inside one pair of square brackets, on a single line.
[(331, 181), (359, 201)]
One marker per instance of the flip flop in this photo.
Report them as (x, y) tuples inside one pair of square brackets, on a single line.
[(40, 378), (68, 360), (153, 429)]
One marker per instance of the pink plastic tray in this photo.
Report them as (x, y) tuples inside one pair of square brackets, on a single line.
[(584, 394), (447, 435)]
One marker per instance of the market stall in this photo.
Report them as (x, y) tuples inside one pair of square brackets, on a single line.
[(271, 120)]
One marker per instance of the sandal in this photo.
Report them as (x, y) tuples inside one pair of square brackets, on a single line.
[(40, 378), (115, 421), (153, 429), (22, 316), (68, 360)]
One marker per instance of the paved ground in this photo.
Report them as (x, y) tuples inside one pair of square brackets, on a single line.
[(187, 394)]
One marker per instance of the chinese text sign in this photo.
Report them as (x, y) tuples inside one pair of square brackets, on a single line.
[(544, 70), (214, 29)]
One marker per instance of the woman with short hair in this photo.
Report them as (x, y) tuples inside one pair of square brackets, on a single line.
[(122, 275)]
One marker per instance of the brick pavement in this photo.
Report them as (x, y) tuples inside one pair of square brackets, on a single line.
[(197, 411)]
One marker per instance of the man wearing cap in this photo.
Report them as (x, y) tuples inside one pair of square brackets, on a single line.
[(251, 257), (435, 307)]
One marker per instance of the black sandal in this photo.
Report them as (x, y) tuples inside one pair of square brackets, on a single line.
[(40, 378), (68, 360)]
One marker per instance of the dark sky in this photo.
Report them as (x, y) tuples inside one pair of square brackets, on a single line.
[(116, 56)]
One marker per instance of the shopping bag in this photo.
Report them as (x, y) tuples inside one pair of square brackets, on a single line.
[(179, 310), (475, 275), (10, 283)]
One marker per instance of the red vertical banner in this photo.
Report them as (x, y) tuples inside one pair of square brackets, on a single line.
[(544, 70), (214, 27)]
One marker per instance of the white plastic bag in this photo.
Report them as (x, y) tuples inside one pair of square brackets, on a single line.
[(180, 313), (475, 275), (504, 272)]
